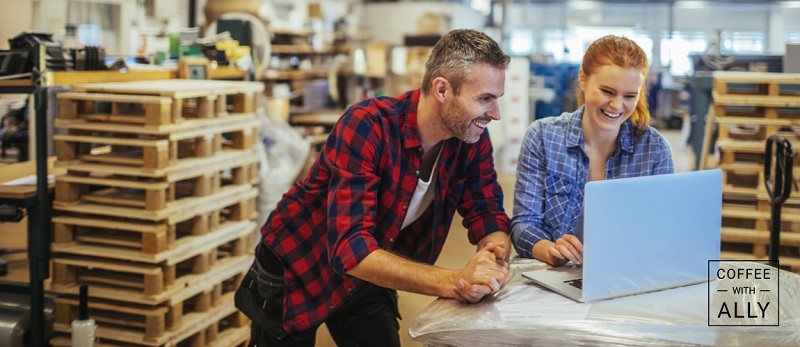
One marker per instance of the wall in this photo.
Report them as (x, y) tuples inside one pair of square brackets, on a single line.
[(391, 21), (16, 16)]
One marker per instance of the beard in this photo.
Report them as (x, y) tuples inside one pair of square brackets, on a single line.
[(453, 119)]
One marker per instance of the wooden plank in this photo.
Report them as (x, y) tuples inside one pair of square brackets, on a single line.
[(757, 121), (788, 238), (150, 321), (756, 77), (794, 263), (138, 99), (161, 144), (111, 182), (175, 88), (164, 129), (54, 78), (178, 211), (182, 288), (756, 100), (148, 279), (193, 323), (183, 248), (181, 169)]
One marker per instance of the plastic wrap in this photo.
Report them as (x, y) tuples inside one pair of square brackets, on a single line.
[(525, 314)]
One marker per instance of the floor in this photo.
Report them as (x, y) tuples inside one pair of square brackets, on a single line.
[(457, 249)]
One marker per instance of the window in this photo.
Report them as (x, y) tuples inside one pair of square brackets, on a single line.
[(521, 42), (742, 42), (675, 51)]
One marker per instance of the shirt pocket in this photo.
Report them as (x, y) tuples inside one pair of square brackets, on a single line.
[(558, 192)]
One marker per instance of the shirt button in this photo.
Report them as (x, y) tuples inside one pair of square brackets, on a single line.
[(405, 207), (332, 307), (349, 289), (391, 240), (416, 172), (421, 150)]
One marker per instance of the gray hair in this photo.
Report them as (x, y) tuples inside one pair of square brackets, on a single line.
[(456, 52)]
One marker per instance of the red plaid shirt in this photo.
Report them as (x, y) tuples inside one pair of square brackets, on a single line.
[(355, 198)]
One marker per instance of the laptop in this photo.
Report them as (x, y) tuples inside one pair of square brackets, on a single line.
[(643, 234)]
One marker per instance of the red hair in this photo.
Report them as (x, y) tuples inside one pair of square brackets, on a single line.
[(624, 53)]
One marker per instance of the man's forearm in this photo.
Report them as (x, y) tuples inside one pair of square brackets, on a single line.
[(389, 270)]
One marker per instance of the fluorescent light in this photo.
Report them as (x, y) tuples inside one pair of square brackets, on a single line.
[(585, 5), (692, 4)]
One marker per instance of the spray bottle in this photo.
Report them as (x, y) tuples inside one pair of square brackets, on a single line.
[(83, 328)]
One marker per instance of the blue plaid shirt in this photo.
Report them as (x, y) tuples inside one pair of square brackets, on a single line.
[(553, 168)]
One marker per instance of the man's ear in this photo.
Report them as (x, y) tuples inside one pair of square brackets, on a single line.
[(441, 88)]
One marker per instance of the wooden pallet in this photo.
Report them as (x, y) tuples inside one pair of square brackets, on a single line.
[(152, 322), (769, 115), (756, 83), (747, 152), (176, 212), (136, 240), (220, 326), (152, 151), (137, 282), (193, 125), (156, 193), (744, 130), (156, 103), (746, 221)]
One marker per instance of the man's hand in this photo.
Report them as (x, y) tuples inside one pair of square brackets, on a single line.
[(484, 274)]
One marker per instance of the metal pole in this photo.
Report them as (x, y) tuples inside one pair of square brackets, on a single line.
[(39, 216)]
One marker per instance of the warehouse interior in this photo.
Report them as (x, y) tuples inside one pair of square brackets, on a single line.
[(166, 244)]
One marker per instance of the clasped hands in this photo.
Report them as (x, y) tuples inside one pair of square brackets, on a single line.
[(484, 274)]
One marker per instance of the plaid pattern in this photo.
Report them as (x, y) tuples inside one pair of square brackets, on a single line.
[(355, 197), (552, 173)]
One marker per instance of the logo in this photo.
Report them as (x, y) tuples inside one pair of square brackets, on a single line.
[(743, 292)]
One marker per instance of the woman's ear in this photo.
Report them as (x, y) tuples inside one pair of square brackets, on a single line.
[(582, 80)]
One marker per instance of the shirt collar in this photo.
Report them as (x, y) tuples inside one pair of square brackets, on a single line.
[(410, 126), (575, 133)]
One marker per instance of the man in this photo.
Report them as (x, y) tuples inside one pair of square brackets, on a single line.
[(374, 211)]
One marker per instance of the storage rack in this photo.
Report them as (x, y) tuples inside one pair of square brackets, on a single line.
[(38, 207)]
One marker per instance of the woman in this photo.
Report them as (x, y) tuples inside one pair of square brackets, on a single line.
[(608, 137)]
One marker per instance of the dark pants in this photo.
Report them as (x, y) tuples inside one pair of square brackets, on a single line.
[(367, 318)]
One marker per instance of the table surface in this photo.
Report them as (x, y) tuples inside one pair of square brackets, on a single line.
[(17, 170), (524, 314)]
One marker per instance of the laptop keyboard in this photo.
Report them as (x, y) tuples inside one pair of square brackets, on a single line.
[(577, 283)]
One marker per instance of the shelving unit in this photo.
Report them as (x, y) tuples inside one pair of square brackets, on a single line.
[(38, 206), (307, 69)]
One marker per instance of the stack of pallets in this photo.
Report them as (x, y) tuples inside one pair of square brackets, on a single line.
[(156, 210), (748, 108)]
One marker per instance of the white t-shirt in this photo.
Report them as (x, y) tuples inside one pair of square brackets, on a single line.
[(423, 196)]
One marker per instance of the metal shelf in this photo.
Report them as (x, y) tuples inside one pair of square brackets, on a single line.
[(38, 209)]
